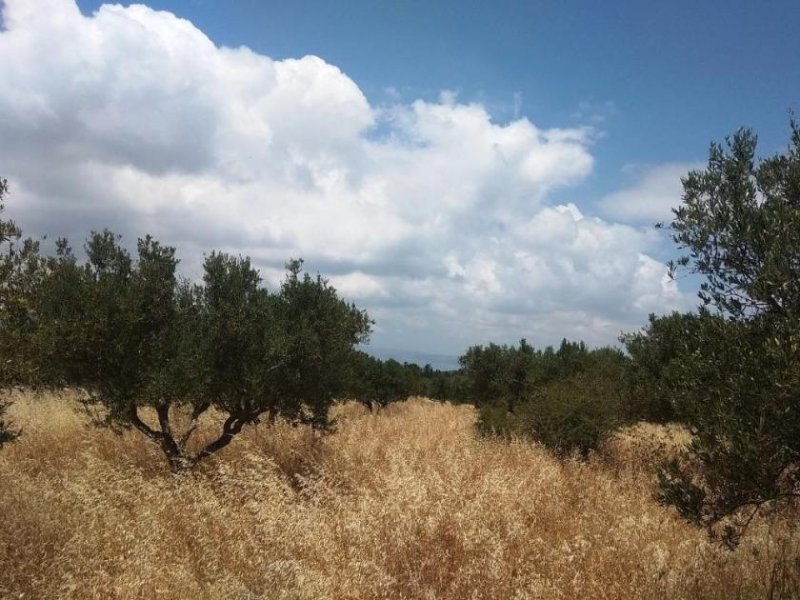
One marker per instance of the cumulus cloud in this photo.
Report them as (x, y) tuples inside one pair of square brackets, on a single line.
[(431, 214), (655, 191)]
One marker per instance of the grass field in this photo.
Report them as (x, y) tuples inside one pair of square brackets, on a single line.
[(405, 503)]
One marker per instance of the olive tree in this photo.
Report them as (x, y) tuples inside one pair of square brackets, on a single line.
[(736, 381), (12, 310), (135, 336)]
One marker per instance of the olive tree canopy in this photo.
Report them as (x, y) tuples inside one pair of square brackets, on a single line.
[(736, 382), (134, 335)]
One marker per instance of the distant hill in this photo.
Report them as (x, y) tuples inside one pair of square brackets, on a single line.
[(443, 362)]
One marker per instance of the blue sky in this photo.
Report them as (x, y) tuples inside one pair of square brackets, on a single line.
[(667, 77), (468, 171)]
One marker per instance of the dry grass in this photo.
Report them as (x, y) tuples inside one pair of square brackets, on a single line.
[(643, 448), (403, 504)]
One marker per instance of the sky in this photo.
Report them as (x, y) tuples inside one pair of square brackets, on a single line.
[(466, 171)]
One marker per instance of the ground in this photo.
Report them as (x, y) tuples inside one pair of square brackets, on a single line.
[(404, 503)]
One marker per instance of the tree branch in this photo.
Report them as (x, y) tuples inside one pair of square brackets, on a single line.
[(232, 426), (162, 410), (197, 411), (174, 452), (133, 415)]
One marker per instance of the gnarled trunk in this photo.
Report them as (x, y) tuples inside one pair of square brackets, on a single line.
[(175, 449)]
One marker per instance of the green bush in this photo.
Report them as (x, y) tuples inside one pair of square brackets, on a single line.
[(655, 351), (495, 420), (570, 415), (573, 415), (569, 399)]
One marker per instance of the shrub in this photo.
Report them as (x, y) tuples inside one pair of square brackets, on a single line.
[(570, 414), (654, 352)]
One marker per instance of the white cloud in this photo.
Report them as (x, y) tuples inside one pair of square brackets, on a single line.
[(431, 214), (655, 191), (358, 285)]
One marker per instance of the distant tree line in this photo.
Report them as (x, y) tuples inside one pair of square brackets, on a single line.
[(378, 382)]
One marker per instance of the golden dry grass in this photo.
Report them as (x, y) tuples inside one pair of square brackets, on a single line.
[(406, 503)]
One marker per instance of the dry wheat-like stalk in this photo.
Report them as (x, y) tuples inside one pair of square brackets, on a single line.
[(405, 503)]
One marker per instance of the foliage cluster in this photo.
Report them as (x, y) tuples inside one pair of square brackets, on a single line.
[(133, 334), (9, 236), (655, 352), (570, 398), (735, 379)]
